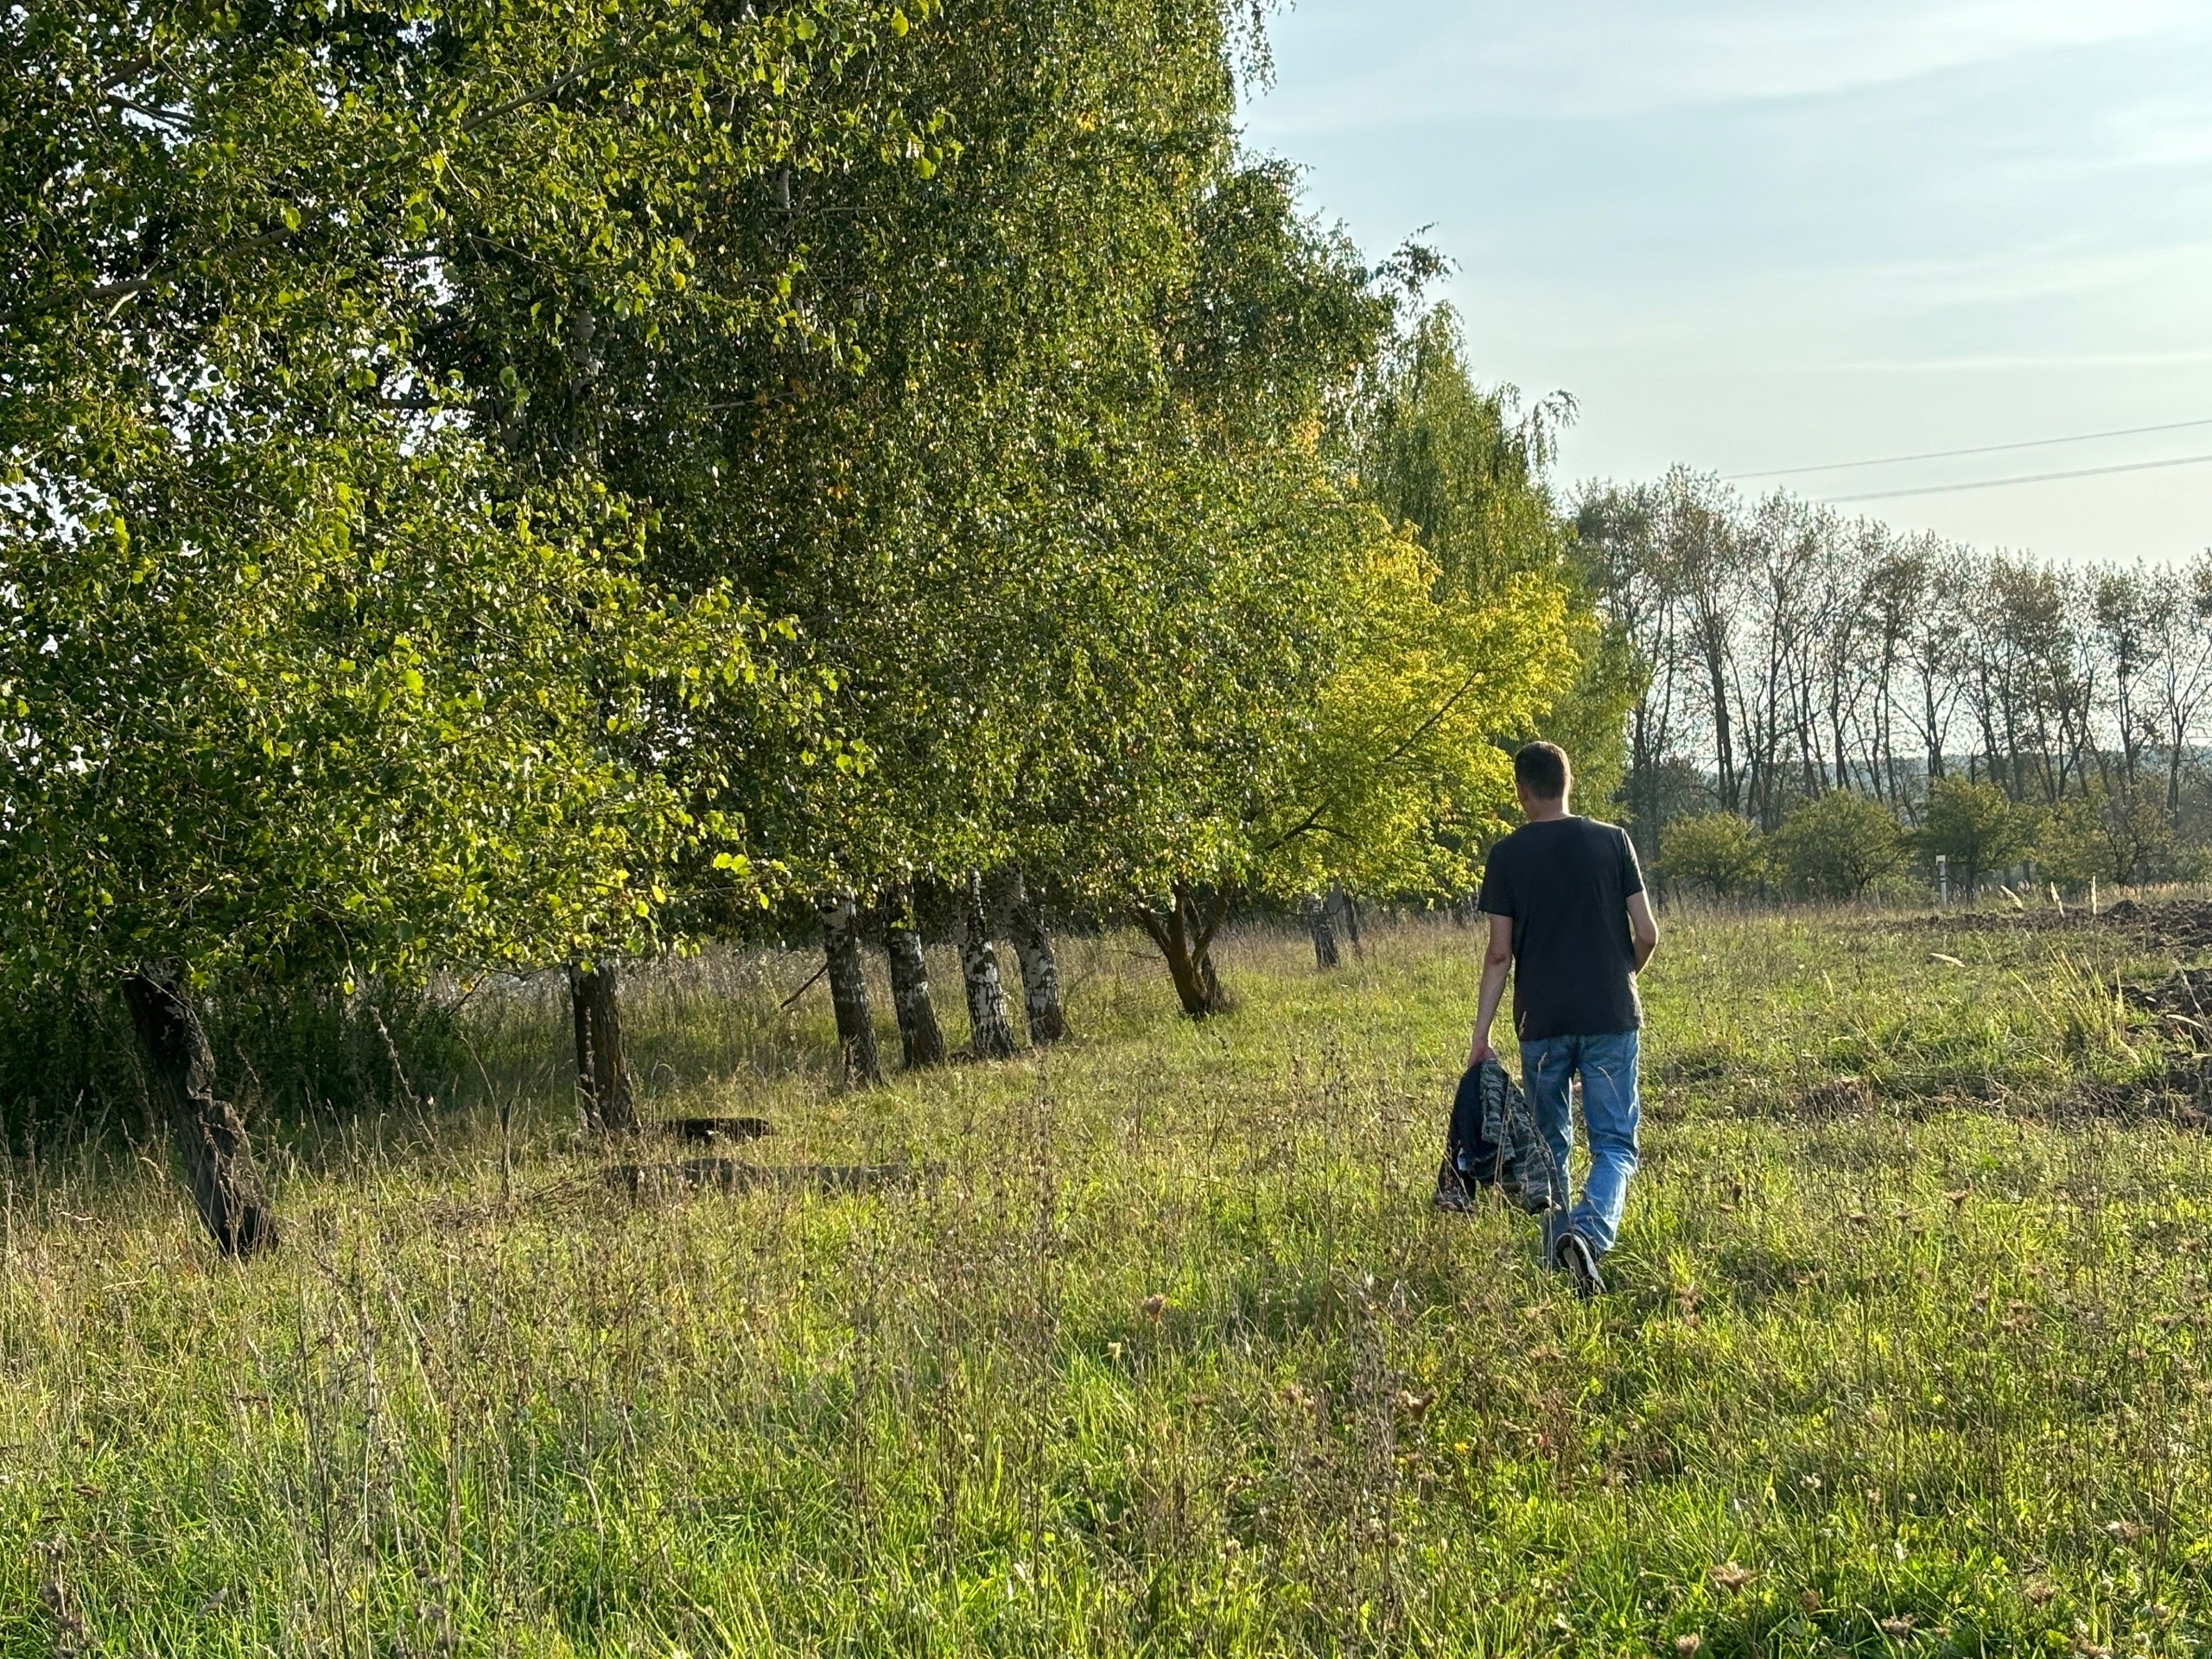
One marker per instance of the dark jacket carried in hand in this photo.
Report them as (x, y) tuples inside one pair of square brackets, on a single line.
[(1492, 1142)]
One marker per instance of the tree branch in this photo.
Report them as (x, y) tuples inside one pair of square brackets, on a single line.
[(1413, 737), (1205, 936), (523, 100), (1150, 922), (124, 289), (178, 120)]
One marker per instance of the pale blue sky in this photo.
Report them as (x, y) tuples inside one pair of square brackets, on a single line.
[(1762, 234)]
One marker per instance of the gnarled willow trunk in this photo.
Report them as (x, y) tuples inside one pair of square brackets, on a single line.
[(920, 1035), (211, 1139), (841, 944), (602, 1064), (1040, 971), (990, 1036), (1185, 939), (1324, 928)]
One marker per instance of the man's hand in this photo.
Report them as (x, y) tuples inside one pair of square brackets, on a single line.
[(1643, 928), (1497, 958)]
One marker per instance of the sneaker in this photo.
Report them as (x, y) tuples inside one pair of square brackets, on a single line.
[(1572, 1256)]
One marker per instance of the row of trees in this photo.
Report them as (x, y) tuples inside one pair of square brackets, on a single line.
[(1846, 844), (1786, 653), (536, 484)]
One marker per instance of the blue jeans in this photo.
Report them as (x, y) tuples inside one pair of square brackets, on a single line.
[(1607, 1067)]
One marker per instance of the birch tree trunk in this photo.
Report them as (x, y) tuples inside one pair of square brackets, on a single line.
[(920, 1035), (841, 944), (990, 1037), (226, 1185), (1040, 971), (602, 1064), (1324, 928)]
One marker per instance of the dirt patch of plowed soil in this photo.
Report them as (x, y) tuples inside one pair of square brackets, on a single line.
[(2184, 995), (2182, 925)]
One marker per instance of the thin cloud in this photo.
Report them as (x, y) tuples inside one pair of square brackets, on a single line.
[(1754, 233), (2000, 362), (2166, 134), (2155, 288), (1611, 58)]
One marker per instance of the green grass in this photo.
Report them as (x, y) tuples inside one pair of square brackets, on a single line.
[(1897, 1321)]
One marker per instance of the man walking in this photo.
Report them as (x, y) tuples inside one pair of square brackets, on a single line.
[(1568, 915)]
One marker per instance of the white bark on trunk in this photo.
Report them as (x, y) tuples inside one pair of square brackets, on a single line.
[(990, 1037), (1040, 970)]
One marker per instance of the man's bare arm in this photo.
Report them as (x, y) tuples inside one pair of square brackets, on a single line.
[(1642, 928), (1497, 958)]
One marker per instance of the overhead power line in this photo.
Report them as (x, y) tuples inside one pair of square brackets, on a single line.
[(1979, 449), (2024, 478)]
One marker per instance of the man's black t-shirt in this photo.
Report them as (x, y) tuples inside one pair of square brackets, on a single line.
[(1566, 882)]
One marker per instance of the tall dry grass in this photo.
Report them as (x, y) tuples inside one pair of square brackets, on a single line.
[(1163, 1351)]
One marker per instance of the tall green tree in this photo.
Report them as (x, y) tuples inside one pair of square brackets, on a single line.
[(1836, 845), (1466, 468), (1056, 514), (1722, 852), (306, 672), (1974, 825)]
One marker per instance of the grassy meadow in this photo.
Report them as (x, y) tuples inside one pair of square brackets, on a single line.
[(1161, 1350)]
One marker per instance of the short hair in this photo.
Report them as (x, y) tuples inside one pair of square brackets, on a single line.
[(1541, 769)]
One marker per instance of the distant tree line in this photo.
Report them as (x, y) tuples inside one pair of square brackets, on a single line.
[(2001, 711)]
